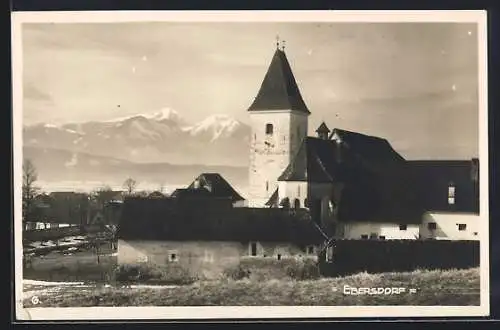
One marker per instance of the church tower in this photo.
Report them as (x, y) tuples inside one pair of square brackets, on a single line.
[(278, 117)]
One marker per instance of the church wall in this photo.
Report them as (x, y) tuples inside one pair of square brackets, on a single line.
[(270, 154)]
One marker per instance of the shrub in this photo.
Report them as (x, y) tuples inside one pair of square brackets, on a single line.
[(303, 270), (141, 273), (237, 273), (261, 269)]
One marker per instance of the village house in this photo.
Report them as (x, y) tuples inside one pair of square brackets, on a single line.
[(62, 209), (219, 187), (354, 185), (211, 237)]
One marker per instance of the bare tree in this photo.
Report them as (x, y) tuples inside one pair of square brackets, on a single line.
[(29, 189), (130, 185)]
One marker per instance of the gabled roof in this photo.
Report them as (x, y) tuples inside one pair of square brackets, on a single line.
[(217, 186), (191, 192), (323, 128), (165, 219), (432, 178), (341, 159), (279, 90), (373, 174), (273, 200)]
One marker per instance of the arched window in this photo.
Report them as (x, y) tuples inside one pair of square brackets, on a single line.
[(269, 129), (285, 203), (306, 202), (296, 203)]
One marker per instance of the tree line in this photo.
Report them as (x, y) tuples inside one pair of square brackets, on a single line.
[(33, 196)]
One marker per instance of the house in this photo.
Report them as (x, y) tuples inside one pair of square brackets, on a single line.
[(207, 240), (449, 192), (219, 187), (355, 186)]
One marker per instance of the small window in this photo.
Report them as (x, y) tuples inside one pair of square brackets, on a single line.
[(267, 186), (253, 249), (279, 256), (209, 257), (475, 233), (431, 226), (173, 257), (373, 236), (462, 226), (382, 238), (364, 236), (403, 227), (269, 129)]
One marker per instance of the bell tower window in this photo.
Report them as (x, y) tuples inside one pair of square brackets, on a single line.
[(269, 129)]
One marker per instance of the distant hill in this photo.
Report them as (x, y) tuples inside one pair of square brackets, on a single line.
[(55, 165)]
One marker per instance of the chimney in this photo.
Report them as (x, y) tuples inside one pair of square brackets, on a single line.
[(323, 131)]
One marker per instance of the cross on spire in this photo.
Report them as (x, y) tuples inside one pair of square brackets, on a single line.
[(278, 43)]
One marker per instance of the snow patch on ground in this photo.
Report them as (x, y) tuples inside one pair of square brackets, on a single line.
[(36, 282)]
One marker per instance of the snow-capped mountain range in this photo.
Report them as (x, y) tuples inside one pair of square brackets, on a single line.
[(158, 137)]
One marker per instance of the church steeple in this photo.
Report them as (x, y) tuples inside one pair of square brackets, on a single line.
[(279, 90)]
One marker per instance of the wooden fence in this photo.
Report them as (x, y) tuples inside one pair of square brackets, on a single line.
[(353, 256)]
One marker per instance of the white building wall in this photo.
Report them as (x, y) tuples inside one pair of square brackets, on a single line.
[(355, 230), (271, 154), (293, 190), (447, 226)]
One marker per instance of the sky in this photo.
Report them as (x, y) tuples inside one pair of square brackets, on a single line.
[(415, 84)]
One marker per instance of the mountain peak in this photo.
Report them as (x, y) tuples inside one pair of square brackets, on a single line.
[(165, 114), (160, 115), (216, 126)]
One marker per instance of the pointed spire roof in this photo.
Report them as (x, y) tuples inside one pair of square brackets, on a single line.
[(323, 128), (279, 90)]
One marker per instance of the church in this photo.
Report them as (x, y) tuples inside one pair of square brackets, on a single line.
[(355, 186)]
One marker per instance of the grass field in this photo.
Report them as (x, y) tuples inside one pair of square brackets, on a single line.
[(433, 288)]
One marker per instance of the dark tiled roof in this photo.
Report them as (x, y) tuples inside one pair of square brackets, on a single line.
[(323, 128), (373, 174), (432, 179), (279, 89), (321, 160), (191, 193), (273, 200), (165, 219), (217, 186)]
